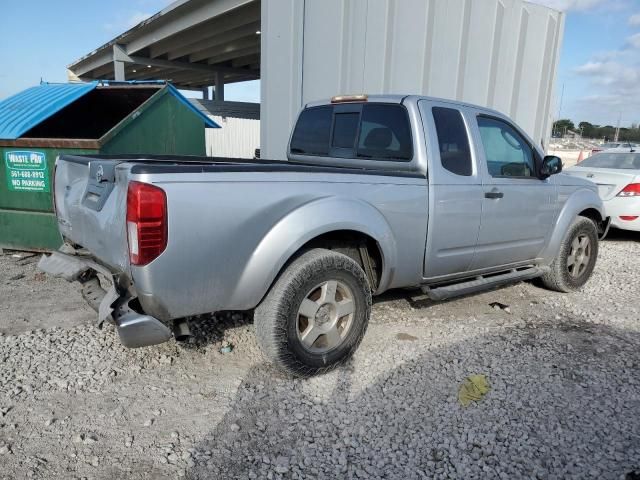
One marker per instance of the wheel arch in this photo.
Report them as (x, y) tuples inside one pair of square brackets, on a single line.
[(602, 222), (592, 214), (359, 246), (333, 223), (582, 203)]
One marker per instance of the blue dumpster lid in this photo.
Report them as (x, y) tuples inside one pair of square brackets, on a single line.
[(24, 110)]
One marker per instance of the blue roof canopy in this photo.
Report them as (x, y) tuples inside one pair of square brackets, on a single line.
[(24, 110)]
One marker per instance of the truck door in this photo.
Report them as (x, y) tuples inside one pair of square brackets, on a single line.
[(455, 190), (517, 207)]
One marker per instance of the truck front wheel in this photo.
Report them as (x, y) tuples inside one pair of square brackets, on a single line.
[(576, 259), (315, 314)]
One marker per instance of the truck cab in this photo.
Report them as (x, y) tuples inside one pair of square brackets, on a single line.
[(490, 205)]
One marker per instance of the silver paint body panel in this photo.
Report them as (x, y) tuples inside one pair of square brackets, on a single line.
[(231, 233)]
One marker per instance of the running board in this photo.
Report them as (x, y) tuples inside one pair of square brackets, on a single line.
[(481, 283)]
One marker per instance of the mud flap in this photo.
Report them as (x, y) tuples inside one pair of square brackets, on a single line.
[(603, 228)]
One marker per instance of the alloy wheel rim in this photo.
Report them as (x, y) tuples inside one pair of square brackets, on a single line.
[(325, 316), (579, 255)]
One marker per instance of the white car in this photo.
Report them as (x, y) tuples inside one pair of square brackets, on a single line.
[(615, 147), (617, 174)]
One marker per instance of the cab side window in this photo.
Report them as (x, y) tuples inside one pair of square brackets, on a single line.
[(508, 154), (453, 141), (385, 133)]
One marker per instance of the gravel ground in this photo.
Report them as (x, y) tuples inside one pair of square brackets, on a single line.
[(28, 300), (563, 369)]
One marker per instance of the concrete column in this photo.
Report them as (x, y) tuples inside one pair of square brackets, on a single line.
[(282, 27), (205, 93), (118, 71), (219, 93)]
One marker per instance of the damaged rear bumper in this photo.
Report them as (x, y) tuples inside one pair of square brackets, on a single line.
[(134, 328)]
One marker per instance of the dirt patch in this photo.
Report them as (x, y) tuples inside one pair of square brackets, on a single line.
[(28, 300)]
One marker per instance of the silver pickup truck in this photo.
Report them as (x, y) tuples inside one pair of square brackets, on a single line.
[(379, 192)]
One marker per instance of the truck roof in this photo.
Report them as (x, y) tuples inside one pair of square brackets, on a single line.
[(398, 98)]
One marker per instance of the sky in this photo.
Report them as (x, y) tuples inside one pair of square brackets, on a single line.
[(39, 38), (600, 61), (599, 65)]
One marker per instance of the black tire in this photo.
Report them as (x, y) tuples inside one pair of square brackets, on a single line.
[(278, 320), (560, 278)]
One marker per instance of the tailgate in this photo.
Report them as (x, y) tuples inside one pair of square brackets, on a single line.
[(90, 200)]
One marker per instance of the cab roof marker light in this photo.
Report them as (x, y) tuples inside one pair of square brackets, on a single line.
[(349, 98)]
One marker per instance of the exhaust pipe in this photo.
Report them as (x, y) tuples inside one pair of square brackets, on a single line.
[(181, 330)]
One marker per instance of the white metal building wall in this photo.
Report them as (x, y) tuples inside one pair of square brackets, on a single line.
[(238, 137), (497, 53)]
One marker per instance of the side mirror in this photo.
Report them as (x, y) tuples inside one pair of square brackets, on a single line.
[(551, 165)]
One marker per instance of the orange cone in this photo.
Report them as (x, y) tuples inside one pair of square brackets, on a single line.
[(581, 156)]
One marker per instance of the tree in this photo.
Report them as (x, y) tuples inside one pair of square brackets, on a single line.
[(561, 126), (588, 130), (599, 132)]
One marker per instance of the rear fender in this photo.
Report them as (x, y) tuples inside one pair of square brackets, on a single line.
[(303, 225), (577, 202)]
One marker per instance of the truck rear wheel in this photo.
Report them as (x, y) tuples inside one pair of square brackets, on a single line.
[(576, 259), (315, 315)]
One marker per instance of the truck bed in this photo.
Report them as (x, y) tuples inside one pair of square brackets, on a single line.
[(233, 223), (194, 164)]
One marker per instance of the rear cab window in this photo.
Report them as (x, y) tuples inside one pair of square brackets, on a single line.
[(367, 131), (313, 131), (345, 129)]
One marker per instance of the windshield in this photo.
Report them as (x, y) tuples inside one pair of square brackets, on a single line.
[(627, 161)]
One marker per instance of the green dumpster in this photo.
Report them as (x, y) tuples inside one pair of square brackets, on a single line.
[(43, 122)]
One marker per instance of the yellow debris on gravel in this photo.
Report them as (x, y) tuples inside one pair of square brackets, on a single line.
[(473, 389)]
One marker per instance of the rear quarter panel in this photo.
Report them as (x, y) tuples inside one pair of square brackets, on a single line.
[(231, 233)]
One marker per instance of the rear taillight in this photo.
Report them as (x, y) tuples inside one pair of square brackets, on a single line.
[(629, 218), (146, 222), (631, 190)]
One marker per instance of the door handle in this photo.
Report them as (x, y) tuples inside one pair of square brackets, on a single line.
[(494, 194)]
